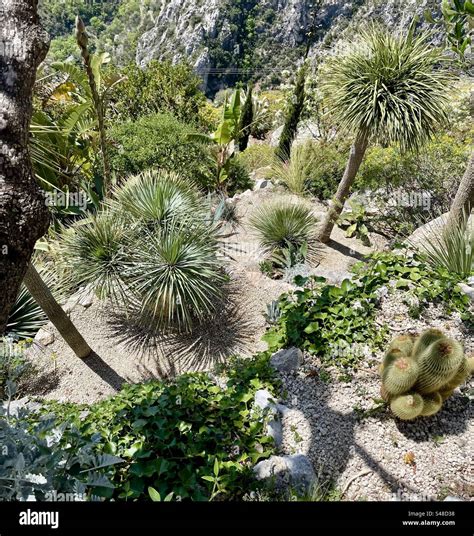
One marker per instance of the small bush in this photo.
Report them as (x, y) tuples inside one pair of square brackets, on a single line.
[(279, 224), (256, 156), (160, 141)]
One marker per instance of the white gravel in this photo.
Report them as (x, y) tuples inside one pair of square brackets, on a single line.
[(368, 454)]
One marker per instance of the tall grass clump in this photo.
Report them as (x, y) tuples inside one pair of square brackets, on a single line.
[(295, 172)]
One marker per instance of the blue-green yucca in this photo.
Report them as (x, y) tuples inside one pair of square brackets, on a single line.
[(388, 88), (154, 251)]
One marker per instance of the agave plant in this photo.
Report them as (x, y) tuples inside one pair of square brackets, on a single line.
[(26, 316), (174, 274), (450, 246)]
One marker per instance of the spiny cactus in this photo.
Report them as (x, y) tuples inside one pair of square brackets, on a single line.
[(420, 373)]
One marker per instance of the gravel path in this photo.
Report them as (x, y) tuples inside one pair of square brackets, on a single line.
[(123, 354), (369, 454)]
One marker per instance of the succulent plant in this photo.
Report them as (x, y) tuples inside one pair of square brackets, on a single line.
[(420, 373)]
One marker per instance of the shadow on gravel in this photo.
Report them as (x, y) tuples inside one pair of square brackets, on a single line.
[(169, 354), (441, 424)]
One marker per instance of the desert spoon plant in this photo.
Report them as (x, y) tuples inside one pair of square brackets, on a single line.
[(419, 373)]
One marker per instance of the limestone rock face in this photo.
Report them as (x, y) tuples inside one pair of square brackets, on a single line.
[(213, 34)]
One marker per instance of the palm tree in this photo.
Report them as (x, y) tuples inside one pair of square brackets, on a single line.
[(390, 89)]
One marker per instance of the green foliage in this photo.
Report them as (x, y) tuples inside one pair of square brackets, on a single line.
[(329, 161), (256, 156), (153, 251), (392, 88), (293, 116), (417, 279), (189, 436), (354, 223), (330, 321), (334, 321), (457, 20), (450, 248), (159, 88), (160, 141), (229, 176), (418, 373), (278, 224), (246, 120), (14, 366), (26, 316), (295, 172), (35, 463)]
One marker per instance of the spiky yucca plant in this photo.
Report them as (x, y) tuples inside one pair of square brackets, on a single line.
[(388, 88), (153, 251), (450, 246), (419, 373), (278, 224)]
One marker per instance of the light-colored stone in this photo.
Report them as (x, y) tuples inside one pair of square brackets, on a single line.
[(467, 290), (44, 337), (451, 498), (86, 297), (287, 359), (265, 400), (293, 472), (334, 277)]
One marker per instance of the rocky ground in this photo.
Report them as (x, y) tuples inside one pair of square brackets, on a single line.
[(122, 353), (353, 442), (359, 448)]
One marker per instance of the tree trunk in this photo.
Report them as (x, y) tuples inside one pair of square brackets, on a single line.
[(43, 297), (24, 216), (355, 160), (464, 201), (82, 41)]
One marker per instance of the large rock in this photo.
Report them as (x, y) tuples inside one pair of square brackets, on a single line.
[(467, 290), (293, 473), (287, 360), (44, 337), (265, 401), (334, 277)]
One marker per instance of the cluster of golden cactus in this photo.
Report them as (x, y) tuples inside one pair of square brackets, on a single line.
[(420, 372)]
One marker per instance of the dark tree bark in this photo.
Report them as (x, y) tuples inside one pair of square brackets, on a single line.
[(24, 216)]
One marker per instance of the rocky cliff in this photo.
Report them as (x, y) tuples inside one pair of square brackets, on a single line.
[(228, 39)]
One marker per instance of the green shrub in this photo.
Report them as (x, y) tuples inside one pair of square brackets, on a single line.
[(278, 224), (329, 161), (256, 156), (153, 251), (189, 436), (160, 141), (238, 179), (337, 323), (159, 87)]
